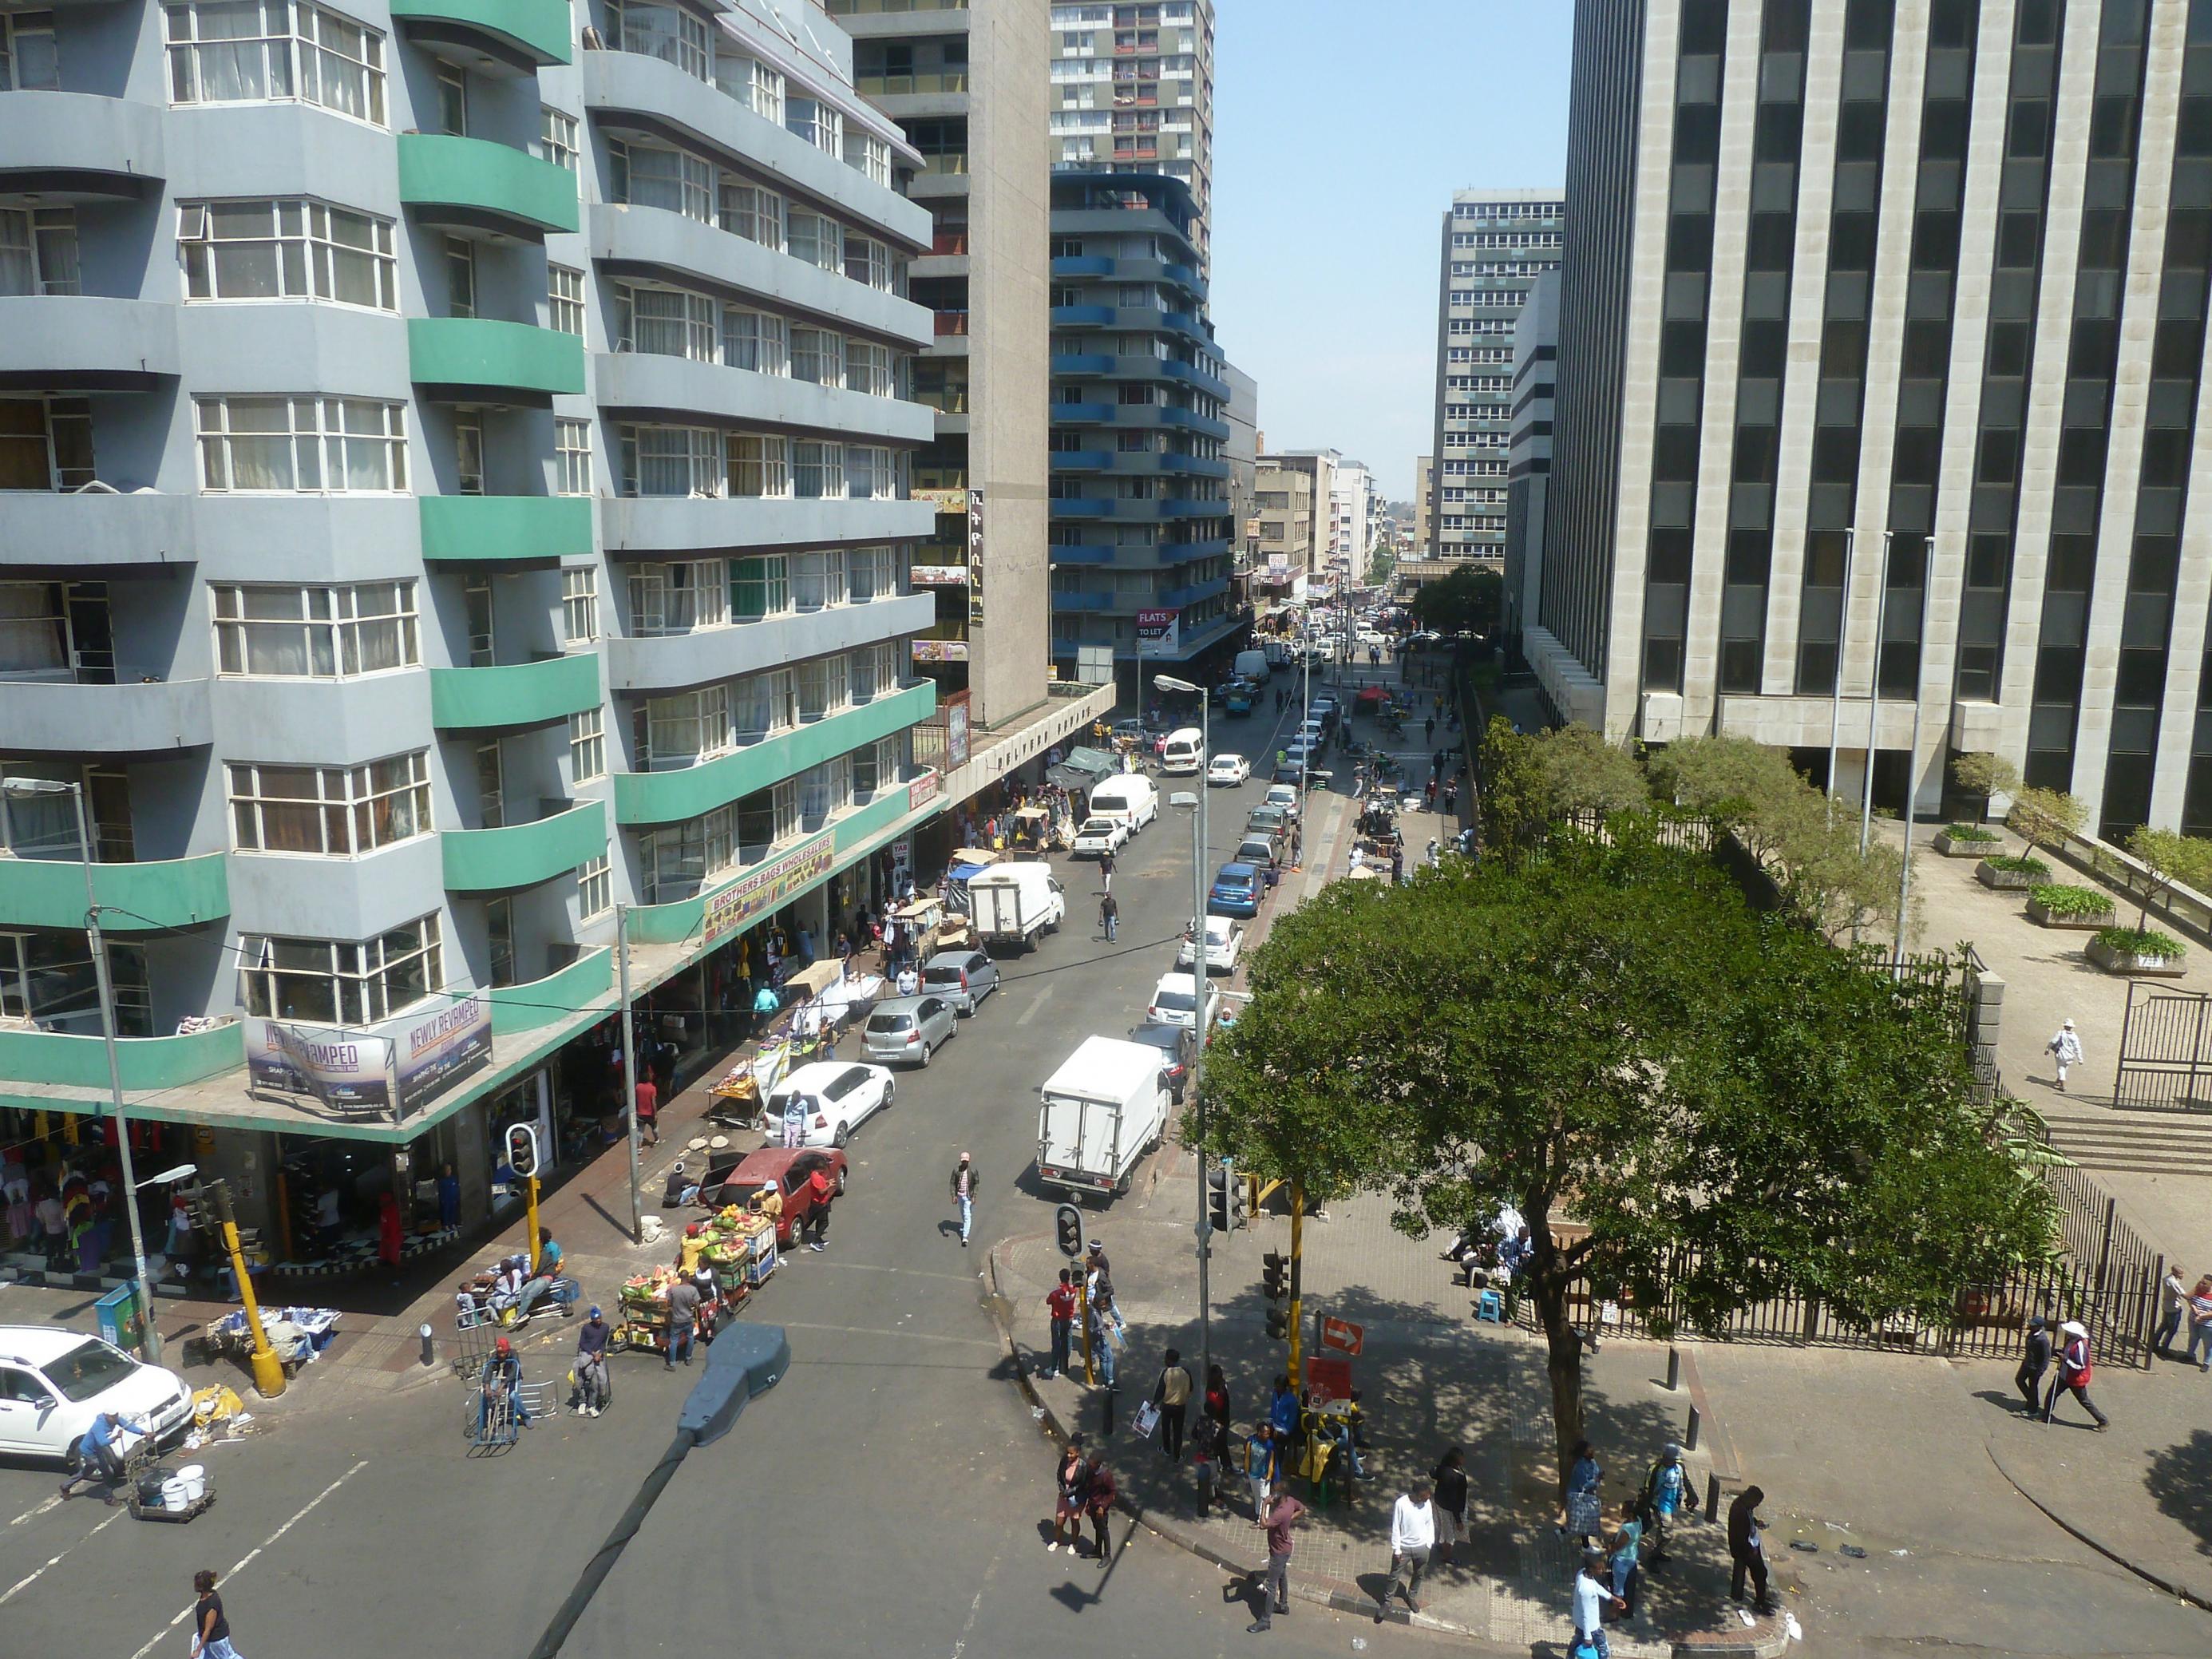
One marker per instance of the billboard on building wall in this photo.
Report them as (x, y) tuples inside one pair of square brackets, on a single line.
[(398, 1067), (733, 908), (1158, 633), (940, 650), (939, 575), (944, 500), (922, 792), (975, 558), (436, 1050)]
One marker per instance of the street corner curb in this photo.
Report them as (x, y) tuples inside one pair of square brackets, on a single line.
[(1770, 1640), (2153, 1576)]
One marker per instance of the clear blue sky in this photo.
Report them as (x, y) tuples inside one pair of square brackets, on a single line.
[(1339, 133)]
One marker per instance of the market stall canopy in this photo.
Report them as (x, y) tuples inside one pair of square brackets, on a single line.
[(1372, 693), (1084, 767)]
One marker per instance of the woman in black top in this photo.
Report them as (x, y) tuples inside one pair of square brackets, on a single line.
[(211, 1629)]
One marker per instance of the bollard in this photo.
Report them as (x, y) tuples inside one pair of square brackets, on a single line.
[(1712, 1497), (1674, 1369), (429, 1350), (1690, 1434)]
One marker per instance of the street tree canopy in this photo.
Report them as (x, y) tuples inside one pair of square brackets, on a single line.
[(1532, 779), (1609, 1035), (1468, 600)]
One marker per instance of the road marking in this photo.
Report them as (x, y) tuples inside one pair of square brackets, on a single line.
[(185, 1612), (52, 1503), (909, 1272), (1036, 1003), (882, 1330), (30, 1578), (975, 1607)]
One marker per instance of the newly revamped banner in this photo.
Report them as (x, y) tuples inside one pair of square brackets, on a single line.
[(346, 1071), (437, 1049)]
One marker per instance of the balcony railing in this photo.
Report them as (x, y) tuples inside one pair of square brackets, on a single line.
[(949, 162), (891, 86), (949, 241), (951, 322)]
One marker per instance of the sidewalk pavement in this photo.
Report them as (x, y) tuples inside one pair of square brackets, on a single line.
[(1430, 1378)]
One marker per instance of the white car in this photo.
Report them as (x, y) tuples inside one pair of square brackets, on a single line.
[(53, 1382), (1175, 1002), (839, 1095), (1286, 796), (1099, 837), (1228, 769), (1225, 943)]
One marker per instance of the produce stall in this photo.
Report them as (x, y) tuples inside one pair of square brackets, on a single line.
[(737, 1246)]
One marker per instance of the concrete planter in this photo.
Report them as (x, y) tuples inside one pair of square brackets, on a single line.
[(1958, 847), (2127, 961), (2009, 880), (2079, 924)]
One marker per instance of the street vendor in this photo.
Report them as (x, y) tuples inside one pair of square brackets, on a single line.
[(769, 1202), (695, 1240)]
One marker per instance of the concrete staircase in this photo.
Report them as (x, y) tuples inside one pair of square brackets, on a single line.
[(2147, 1143)]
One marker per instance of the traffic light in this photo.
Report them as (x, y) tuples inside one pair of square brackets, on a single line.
[(199, 1212), (1067, 1223), (1278, 1324), (1217, 1213), (522, 1149), (1275, 1275), (1237, 1211)]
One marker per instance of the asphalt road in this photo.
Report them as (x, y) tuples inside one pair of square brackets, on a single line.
[(888, 1497)]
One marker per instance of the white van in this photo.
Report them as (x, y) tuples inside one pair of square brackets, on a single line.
[(1017, 903), (1183, 751), (1254, 665), (1130, 799)]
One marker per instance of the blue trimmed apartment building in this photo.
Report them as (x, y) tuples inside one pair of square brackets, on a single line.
[(1140, 481), (454, 480)]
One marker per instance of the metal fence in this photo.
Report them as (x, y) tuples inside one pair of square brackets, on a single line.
[(2164, 1065)]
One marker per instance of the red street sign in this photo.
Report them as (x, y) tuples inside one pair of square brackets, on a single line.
[(1342, 1335)]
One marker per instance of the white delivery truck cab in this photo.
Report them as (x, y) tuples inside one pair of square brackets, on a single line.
[(1254, 665), (1128, 798), (1015, 904), (1103, 1110)]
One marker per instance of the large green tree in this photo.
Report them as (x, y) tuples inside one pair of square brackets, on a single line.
[(1695, 1108), (1466, 601)]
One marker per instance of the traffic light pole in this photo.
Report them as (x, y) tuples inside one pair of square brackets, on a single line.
[(1298, 1263)]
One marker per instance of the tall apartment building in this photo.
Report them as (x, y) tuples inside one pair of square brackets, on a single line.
[(457, 459), (1528, 455), (1351, 505), (1887, 322), (1140, 527), (1283, 505), (967, 83), (1495, 243), (1132, 92), (1424, 471)]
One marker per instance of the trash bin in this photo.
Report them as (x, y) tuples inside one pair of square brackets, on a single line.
[(120, 1319)]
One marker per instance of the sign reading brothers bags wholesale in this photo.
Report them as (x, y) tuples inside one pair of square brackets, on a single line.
[(733, 909), (405, 1062)]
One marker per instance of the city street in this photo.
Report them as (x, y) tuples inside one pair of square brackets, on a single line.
[(889, 1494)]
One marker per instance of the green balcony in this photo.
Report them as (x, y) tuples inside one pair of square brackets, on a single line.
[(542, 1001), (522, 35), (672, 797), (480, 359), (514, 694), (134, 898), (473, 183), (524, 854), (505, 529), (64, 1060)]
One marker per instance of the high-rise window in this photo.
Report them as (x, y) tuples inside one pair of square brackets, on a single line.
[(818, 355), (587, 746), (301, 445), (28, 62), (757, 340), (645, 175), (331, 812), (580, 604), (687, 728), (46, 443), (231, 51), (564, 293), (572, 457), (818, 470), (756, 214), (286, 250), (327, 982), (594, 888), (560, 140), (673, 460), (668, 324), (315, 633), (760, 465), (38, 250)]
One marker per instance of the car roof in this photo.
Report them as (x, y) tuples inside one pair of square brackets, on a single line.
[(35, 1345), (1178, 980), (1236, 872), (952, 959), (897, 1005), (768, 1162), (1159, 1034), (1217, 759), (815, 1075)]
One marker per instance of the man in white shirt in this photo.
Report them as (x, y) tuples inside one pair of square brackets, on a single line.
[(1412, 1535), (1592, 1601), (909, 981)]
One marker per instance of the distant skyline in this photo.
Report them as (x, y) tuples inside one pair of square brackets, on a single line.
[(1339, 135)]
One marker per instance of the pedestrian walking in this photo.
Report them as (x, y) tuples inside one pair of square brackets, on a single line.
[(1214, 1409), (1171, 1396), (795, 1118), (1110, 916), (2174, 1300), (1071, 1485), (96, 1455), (648, 1111), (683, 1322), (1627, 1576), (2200, 1323), (1666, 1493), (1451, 799), (211, 1625), (1278, 1515), (963, 1194), (1592, 1602), (1412, 1535), (1098, 1501), (1060, 1308), (1106, 871), (1429, 729), (1263, 1464), (592, 1392), (2075, 1370), (2034, 1361), (1398, 865), (2065, 1051), (817, 1218), (1583, 1478), (1746, 1553), (1449, 1481)]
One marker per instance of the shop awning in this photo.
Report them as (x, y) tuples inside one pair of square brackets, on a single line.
[(1089, 766)]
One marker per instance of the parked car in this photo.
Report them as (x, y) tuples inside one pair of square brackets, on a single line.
[(1237, 889), (1175, 1002), (1270, 819), (907, 1031), (1264, 852), (1098, 836), (1176, 1046), (841, 1093), (1225, 943), (1133, 730), (790, 1167), (1228, 769), (1284, 796), (54, 1382), (962, 978)]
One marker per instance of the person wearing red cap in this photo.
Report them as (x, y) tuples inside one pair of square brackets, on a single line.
[(963, 1194), (502, 1374)]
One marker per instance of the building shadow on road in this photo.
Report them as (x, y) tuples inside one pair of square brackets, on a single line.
[(2179, 1481)]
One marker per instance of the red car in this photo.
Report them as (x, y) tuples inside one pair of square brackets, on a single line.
[(790, 1167)]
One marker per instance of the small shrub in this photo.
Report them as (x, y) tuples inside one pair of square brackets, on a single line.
[(2061, 899), (2139, 942), (1969, 832), (2018, 866)]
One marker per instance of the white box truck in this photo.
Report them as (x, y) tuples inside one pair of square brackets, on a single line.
[(1104, 1109), (1254, 665), (1016, 903)]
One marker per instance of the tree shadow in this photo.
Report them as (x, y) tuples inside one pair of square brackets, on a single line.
[(2179, 1481)]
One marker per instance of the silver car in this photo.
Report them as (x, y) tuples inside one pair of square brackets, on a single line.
[(962, 978), (907, 1031)]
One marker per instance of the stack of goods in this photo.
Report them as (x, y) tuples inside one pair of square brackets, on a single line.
[(646, 1294), (741, 1247)]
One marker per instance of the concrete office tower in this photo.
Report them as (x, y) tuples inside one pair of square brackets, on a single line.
[(1529, 457), (1140, 479), (1132, 92), (1319, 466), (1495, 244), (967, 84), (1896, 311), (1425, 467), (1283, 504), (1351, 502), (457, 483)]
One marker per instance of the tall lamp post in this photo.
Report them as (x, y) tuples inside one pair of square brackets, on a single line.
[(1195, 804), (16, 788)]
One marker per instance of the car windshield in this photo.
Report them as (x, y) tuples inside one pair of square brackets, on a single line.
[(1176, 1002), (1168, 1037), (87, 1372), (940, 976), (889, 1022)]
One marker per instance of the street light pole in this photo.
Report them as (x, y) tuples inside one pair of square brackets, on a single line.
[(1843, 639), (104, 988), (629, 1064), (1874, 691), (1912, 755), (1198, 973)]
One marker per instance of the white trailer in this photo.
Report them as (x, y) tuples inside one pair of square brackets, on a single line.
[(1102, 1111)]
